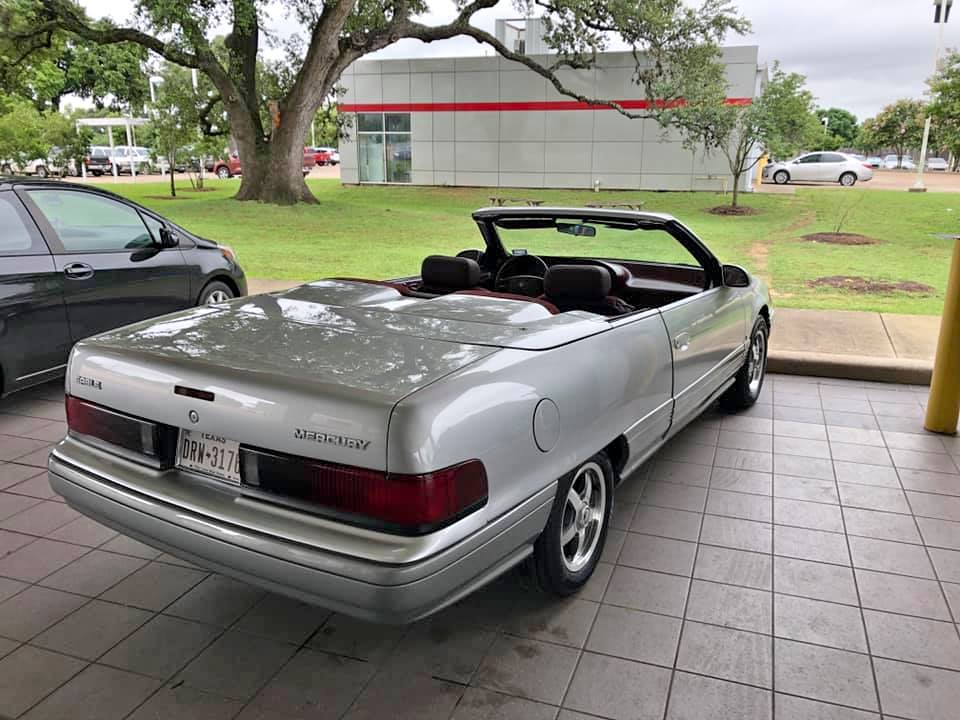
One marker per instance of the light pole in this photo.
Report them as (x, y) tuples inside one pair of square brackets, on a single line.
[(941, 15)]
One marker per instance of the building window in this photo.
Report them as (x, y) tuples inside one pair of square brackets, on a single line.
[(383, 147)]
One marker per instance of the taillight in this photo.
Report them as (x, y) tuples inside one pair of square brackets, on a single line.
[(407, 504), (868, 166), (138, 436)]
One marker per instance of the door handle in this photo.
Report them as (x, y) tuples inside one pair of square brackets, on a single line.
[(682, 341), (78, 271)]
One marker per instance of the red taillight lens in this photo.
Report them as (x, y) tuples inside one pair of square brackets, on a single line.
[(124, 431), (868, 166), (409, 504)]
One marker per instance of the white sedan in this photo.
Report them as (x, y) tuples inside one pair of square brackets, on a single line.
[(820, 167)]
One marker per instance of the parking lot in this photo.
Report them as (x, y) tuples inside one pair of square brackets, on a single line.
[(804, 554)]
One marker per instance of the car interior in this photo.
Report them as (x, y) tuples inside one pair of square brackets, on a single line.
[(563, 282)]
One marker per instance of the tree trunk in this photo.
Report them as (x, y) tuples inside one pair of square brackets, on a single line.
[(736, 190)]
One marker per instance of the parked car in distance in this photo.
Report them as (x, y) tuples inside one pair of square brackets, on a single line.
[(98, 160), (874, 162), (225, 169), (937, 164), (130, 159), (891, 162), (819, 167), (53, 164), (76, 261), (324, 155), (857, 156), (385, 448)]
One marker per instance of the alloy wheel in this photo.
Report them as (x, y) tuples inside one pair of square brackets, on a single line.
[(583, 514)]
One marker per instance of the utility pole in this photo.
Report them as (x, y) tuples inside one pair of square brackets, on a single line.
[(941, 15)]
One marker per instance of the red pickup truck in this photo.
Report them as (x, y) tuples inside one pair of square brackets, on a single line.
[(224, 169)]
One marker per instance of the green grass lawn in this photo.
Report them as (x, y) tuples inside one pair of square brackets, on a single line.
[(385, 231)]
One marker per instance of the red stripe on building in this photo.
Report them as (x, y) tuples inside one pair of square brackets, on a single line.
[(519, 106)]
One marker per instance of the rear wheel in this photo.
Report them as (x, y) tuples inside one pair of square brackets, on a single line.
[(569, 548), (749, 380), (223, 172), (214, 293), (41, 171), (848, 179), (781, 177)]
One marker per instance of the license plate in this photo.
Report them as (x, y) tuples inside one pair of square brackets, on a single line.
[(209, 454)]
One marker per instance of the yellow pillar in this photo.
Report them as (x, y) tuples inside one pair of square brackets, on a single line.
[(943, 408), (761, 164)]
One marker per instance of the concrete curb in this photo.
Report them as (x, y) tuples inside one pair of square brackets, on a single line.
[(851, 367)]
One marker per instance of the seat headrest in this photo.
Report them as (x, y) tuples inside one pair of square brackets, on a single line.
[(577, 282), (454, 273)]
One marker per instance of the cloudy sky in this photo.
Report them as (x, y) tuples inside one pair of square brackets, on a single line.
[(856, 54)]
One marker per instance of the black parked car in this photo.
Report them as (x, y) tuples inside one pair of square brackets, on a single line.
[(76, 261)]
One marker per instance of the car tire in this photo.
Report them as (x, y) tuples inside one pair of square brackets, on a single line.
[(215, 292), (749, 379), (6, 169), (223, 172), (781, 177), (41, 171), (848, 179), (562, 568)]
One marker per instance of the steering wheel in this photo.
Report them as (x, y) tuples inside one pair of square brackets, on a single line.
[(521, 275)]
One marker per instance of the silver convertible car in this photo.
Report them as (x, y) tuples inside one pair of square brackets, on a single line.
[(385, 448)]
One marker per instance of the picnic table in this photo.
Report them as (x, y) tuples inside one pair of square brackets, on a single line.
[(501, 201)]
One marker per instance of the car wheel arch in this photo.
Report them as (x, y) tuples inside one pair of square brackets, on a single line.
[(618, 452), (218, 277)]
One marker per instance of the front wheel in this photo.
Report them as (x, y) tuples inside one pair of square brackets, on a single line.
[(848, 179), (223, 172), (781, 177), (569, 548), (749, 380), (214, 293), (41, 171)]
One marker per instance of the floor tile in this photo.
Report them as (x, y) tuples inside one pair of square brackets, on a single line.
[(36, 487), (745, 441), (185, 703), (358, 639), (9, 588), (83, 531), (615, 688), (796, 708), (541, 616), (912, 441), (814, 545), (674, 496), (883, 525), (315, 685), (815, 580), (809, 489), (798, 466), (680, 472), (742, 423), (34, 610), (635, 635), (900, 594), (868, 497), (848, 419), (940, 533), (91, 630), (38, 559), (12, 474), (218, 600), (916, 640), (282, 618), (845, 404), (726, 653), (93, 573), (154, 585), (645, 590), (744, 460), (863, 474), (740, 505), (952, 591), (655, 553), (804, 415), (857, 436), (736, 534), (680, 451), (12, 505), (161, 647), (743, 481), (929, 482), (941, 507), (914, 460), (946, 563), (736, 567), (891, 557), (128, 546), (866, 454), (818, 622), (810, 515), (236, 665), (701, 698), (825, 674), (479, 704), (915, 691), (28, 674), (800, 446), (676, 524), (809, 431), (731, 606), (796, 399), (96, 693), (527, 668)]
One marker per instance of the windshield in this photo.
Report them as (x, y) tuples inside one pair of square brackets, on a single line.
[(575, 239)]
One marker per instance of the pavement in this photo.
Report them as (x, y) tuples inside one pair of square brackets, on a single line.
[(801, 558)]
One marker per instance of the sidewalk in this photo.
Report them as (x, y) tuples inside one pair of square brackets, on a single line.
[(857, 345), (886, 347)]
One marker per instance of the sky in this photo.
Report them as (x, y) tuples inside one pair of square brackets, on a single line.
[(856, 54)]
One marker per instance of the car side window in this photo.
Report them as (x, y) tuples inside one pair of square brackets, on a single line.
[(18, 236), (153, 225), (815, 158), (86, 222), (832, 158)]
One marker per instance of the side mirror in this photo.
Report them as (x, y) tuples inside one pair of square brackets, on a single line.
[(735, 276), (168, 238)]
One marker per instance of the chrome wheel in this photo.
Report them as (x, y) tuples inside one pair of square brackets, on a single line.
[(848, 179), (583, 515), (223, 173), (217, 297), (757, 362)]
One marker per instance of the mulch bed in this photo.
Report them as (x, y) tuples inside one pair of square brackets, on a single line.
[(865, 286), (841, 238), (739, 211)]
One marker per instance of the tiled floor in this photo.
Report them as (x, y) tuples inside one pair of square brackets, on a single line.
[(798, 561)]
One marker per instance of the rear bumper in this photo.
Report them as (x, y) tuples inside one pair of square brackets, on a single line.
[(379, 592)]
